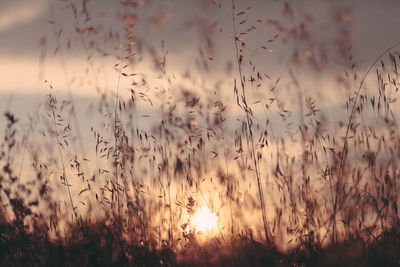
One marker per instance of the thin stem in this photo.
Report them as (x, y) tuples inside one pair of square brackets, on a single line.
[(345, 145), (62, 163), (67, 83), (116, 131), (249, 124)]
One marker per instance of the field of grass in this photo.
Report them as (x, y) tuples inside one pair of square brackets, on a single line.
[(254, 169)]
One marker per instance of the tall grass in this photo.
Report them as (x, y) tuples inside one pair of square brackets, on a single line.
[(161, 150)]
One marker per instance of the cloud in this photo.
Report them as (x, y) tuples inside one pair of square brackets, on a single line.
[(20, 13)]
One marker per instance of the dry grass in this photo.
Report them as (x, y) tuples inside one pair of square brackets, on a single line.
[(326, 192)]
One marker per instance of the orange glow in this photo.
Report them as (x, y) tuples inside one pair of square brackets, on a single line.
[(204, 220)]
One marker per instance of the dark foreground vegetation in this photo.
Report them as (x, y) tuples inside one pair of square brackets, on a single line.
[(96, 244)]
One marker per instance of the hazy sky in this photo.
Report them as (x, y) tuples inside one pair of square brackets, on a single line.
[(23, 22), (374, 26)]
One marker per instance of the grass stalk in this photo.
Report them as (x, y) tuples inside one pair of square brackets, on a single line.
[(345, 144), (246, 109), (52, 103)]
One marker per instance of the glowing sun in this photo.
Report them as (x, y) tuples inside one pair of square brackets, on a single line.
[(204, 220)]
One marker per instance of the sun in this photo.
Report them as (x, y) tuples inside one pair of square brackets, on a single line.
[(204, 220)]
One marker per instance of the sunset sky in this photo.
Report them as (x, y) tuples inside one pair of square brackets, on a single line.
[(191, 95), (374, 27)]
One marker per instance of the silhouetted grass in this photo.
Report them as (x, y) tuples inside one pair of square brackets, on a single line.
[(326, 189)]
